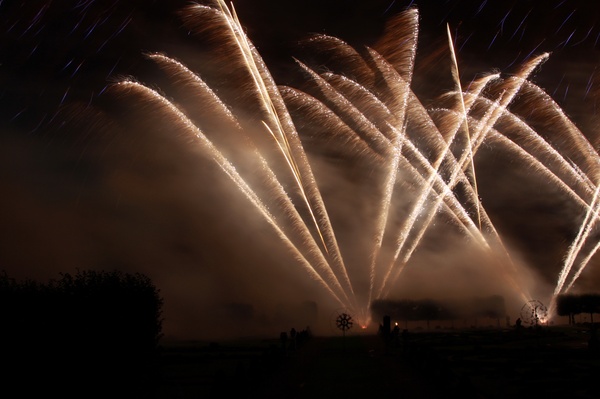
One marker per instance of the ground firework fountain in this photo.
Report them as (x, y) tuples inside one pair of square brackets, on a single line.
[(296, 153)]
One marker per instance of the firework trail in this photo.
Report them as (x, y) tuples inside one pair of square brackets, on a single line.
[(366, 112)]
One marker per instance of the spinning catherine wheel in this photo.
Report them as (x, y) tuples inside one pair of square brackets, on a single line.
[(534, 313), (344, 322)]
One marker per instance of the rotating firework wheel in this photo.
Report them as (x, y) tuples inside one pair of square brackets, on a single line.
[(344, 322), (336, 316), (534, 313)]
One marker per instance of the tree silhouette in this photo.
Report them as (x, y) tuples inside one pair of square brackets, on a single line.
[(568, 305), (91, 334), (571, 304), (590, 303), (429, 309)]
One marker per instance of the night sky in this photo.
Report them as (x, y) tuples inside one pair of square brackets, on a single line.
[(89, 181)]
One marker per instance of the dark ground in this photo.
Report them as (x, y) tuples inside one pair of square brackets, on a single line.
[(549, 362)]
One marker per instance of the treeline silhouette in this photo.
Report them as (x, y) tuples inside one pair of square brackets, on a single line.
[(572, 304), (91, 334), (405, 310)]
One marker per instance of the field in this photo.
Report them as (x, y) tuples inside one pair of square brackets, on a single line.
[(480, 363)]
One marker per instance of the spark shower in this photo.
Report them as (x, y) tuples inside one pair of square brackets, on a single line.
[(353, 172)]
